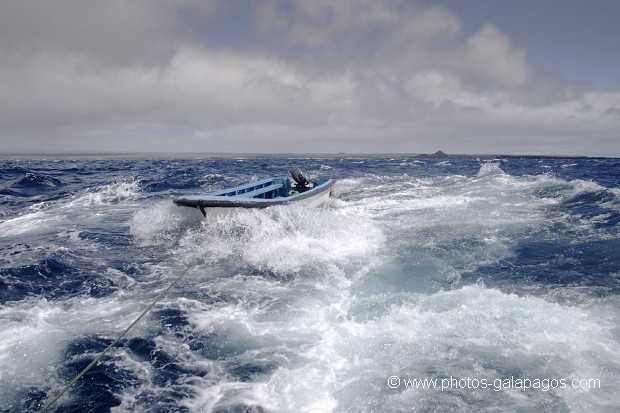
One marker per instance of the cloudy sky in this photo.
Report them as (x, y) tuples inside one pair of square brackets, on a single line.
[(355, 76)]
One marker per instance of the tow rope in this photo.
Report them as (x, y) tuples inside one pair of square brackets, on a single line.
[(115, 342)]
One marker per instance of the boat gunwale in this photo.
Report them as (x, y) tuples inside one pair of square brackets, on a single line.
[(241, 190), (212, 200)]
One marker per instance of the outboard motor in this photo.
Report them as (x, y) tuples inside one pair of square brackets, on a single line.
[(300, 178)]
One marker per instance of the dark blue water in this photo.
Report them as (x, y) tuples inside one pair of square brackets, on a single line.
[(478, 270)]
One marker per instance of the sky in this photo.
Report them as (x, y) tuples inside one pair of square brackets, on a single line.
[(310, 76)]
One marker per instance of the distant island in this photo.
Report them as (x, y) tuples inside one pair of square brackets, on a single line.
[(438, 154)]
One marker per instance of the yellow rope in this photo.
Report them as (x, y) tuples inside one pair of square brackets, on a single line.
[(115, 342)]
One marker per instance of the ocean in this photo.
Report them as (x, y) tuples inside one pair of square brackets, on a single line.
[(446, 285)]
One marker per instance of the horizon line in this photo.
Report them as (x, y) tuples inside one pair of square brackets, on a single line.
[(230, 155)]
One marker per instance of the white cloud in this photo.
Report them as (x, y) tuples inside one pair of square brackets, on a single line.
[(421, 26), (491, 56), (347, 75)]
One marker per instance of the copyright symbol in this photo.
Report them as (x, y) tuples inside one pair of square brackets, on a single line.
[(393, 382)]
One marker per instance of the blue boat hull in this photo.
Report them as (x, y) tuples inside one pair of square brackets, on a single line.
[(262, 194)]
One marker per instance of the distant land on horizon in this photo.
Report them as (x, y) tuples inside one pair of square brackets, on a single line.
[(232, 155)]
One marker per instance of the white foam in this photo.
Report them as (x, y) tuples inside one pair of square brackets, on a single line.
[(158, 223), (107, 194), (22, 353), (301, 290), (490, 168), (34, 334), (35, 223), (470, 332), (86, 207), (284, 240)]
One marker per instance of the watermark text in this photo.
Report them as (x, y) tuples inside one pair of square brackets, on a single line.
[(497, 384)]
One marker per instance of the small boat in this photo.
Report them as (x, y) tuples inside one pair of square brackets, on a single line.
[(263, 194)]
